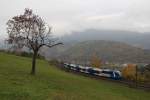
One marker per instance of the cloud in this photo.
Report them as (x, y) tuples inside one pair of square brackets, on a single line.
[(66, 16)]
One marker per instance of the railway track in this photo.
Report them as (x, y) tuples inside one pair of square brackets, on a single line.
[(131, 84)]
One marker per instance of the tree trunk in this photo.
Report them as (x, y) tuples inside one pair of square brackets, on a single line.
[(34, 62)]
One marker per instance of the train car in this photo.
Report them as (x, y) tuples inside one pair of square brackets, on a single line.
[(117, 74), (113, 74), (94, 71), (66, 65), (82, 69), (86, 69), (73, 66)]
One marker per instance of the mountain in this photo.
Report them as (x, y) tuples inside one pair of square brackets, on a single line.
[(111, 51), (141, 40)]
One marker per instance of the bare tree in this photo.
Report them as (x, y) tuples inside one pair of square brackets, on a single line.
[(30, 30)]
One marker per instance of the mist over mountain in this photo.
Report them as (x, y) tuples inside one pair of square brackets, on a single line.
[(111, 51), (109, 45), (113, 46), (133, 38)]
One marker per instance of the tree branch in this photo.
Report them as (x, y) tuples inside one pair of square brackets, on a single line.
[(60, 43)]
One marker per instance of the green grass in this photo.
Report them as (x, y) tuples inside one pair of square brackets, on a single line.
[(50, 83)]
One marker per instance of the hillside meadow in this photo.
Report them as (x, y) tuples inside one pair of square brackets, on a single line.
[(50, 83)]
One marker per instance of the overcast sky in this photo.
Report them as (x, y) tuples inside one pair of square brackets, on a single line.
[(66, 16)]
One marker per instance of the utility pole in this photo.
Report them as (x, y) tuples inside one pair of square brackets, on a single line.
[(136, 75)]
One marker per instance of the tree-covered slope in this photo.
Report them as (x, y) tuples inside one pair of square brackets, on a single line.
[(106, 50)]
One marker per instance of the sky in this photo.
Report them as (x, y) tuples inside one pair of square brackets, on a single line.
[(65, 16)]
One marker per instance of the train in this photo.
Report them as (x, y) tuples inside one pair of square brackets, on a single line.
[(108, 73)]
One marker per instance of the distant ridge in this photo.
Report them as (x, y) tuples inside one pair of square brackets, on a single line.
[(106, 50), (133, 38)]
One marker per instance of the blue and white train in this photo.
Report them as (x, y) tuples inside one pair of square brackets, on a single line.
[(113, 74)]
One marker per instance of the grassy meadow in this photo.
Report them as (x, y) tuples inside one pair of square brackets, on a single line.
[(50, 83)]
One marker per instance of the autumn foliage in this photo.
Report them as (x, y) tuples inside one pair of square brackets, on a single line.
[(129, 72), (95, 61)]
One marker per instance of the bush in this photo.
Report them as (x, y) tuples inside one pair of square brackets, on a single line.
[(129, 72)]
